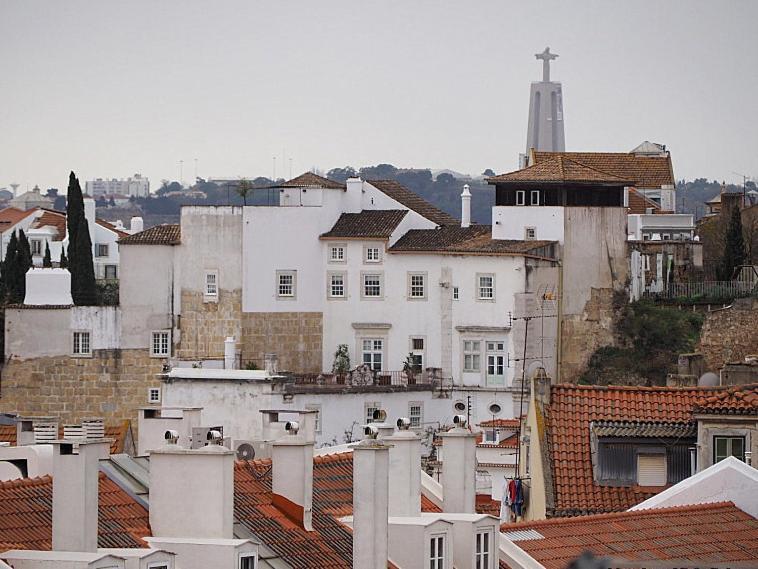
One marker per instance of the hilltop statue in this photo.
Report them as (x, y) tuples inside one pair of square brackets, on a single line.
[(546, 58)]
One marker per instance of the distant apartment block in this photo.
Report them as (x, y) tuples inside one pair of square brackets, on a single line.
[(136, 186)]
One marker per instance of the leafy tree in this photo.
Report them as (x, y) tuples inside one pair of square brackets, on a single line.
[(734, 247), (52, 193), (341, 363), (60, 203), (341, 174), (83, 288), (243, 189), (488, 173), (47, 261)]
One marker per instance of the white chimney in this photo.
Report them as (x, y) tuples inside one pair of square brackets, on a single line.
[(75, 493), (230, 353), (459, 470), (466, 207), (192, 491), (136, 224), (35, 430), (405, 466), (371, 463), (292, 476)]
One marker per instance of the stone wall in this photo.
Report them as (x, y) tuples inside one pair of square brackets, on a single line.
[(205, 325), (295, 337), (111, 384), (729, 335)]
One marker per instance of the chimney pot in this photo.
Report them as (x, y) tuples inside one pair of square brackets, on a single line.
[(371, 467), (459, 470), (465, 207)]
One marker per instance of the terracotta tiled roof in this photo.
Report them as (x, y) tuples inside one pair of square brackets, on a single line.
[(413, 201), (504, 423), (719, 534), (26, 515), (311, 180), (738, 400), (473, 240), (508, 442), (108, 225), (118, 433), (486, 505), (645, 171), (644, 429), (368, 224), (331, 542), (54, 219), (558, 168), (573, 407), (639, 204), (168, 234), (10, 216)]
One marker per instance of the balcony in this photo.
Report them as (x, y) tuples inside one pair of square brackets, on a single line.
[(364, 379)]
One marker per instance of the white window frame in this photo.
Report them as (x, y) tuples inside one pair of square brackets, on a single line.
[(315, 407), (153, 390), (330, 290), (438, 561), (160, 354), (35, 245), (279, 285), (76, 345), (417, 419), (532, 195), (364, 275), (456, 293), (158, 565), (414, 351), (490, 435), (374, 351), (210, 289), (115, 271), (472, 348), (97, 250), (338, 253), (480, 288), (520, 197), (530, 233), (250, 555), (413, 288), (483, 557), (367, 249), (368, 410)]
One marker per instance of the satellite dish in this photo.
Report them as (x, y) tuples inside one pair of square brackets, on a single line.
[(495, 408), (708, 379), (459, 406), (245, 451)]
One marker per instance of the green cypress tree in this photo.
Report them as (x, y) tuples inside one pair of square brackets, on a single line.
[(24, 263), (734, 247), (47, 261), (63, 263), (10, 269), (81, 266)]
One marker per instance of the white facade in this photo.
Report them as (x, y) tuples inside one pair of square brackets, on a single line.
[(661, 227), (135, 186)]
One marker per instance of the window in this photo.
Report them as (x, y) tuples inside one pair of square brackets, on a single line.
[(417, 354), (491, 436), (534, 197), (211, 284), (471, 355), (36, 246), (372, 352), (437, 552), (530, 233), (160, 344), (416, 414), (337, 254), (82, 346), (336, 286), (111, 272), (496, 363), (286, 284), (651, 469), (485, 287), (456, 293), (154, 395), (417, 285), (317, 408), (724, 447), (159, 565), (372, 285), (101, 250), (520, 197), (369, 409), (247, 561), (482, 554), (372, 254)]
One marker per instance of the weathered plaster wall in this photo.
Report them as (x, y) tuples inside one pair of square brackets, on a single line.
[(295, 337), (729, 335), (111, 384)]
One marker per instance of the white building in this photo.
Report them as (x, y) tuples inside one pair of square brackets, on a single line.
[(135, 186)]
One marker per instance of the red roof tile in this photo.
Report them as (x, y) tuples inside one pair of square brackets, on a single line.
[(708, 533), (413, 201), (168, 234), (109, 225), (119, 434), (558, 168), (311, 180), (738, 400), (645, 171), (52, 219), (639, 203), (26, 515), (573, 407), (504, 423), (10, 216), (368, 224)]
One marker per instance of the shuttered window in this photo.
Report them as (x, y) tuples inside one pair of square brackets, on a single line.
[(651, 469)]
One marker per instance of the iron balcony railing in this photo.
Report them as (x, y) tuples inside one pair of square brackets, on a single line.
[(705, 290)]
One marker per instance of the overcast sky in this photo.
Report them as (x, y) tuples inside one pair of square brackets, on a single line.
[(109, 89)]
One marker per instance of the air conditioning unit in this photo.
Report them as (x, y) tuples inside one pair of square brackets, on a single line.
[(252, 450), (200, 436)]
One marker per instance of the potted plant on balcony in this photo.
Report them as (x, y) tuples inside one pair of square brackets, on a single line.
[(409, 369), (341, 365)]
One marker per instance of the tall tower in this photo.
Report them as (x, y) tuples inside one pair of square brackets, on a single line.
[(545, 131)]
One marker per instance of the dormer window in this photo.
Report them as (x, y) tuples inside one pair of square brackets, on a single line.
[(247, 561), (483, 553), (437, 552), (534, 198), (521, 197), (724, 447), (491, 437)]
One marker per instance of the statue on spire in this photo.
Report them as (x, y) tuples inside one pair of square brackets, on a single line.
[(546, 58)]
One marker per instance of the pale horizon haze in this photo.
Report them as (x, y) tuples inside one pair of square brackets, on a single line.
[(108, 89)]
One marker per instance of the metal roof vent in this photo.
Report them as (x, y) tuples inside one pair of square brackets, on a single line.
[(94, 428)]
